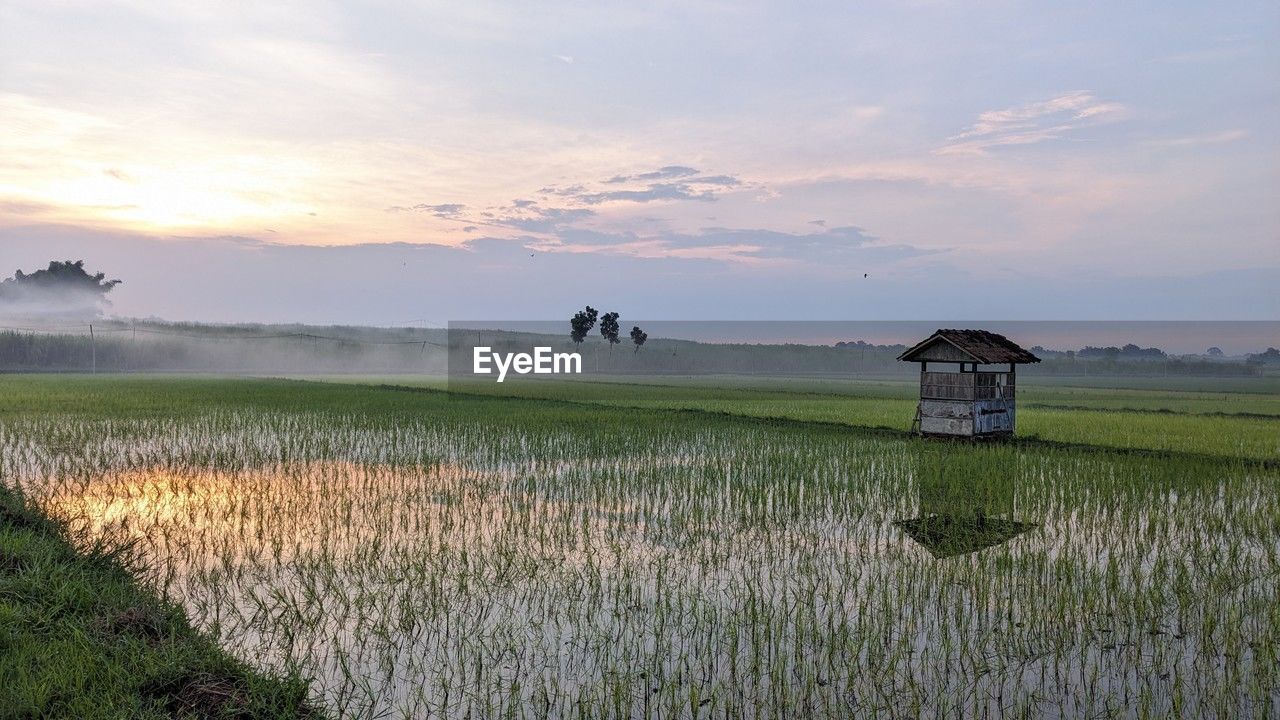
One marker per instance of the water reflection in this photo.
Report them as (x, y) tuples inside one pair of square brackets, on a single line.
[(960, 516), (464, 570)]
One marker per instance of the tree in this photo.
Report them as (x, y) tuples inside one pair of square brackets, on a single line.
[(63, 289), (1269, 357), (1214, 352), (581, 323), (609, 328), (638, 337)]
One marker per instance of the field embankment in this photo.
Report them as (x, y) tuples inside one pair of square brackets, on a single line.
[(80, 638)]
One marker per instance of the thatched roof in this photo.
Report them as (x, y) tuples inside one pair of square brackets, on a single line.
[(980, 345)]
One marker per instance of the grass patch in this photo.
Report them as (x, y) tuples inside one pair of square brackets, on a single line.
[(79, 638), (1228, 426)]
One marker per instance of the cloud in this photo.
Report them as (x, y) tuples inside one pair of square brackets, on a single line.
[(656, 191), (1033, 123), (723, 180), (561, 207), (448, 211), (22, 207), (569, 191), (445, 210), (524, 215), (1225, 136), (671, 182), (847, 246), (662, 173), (539, 220)]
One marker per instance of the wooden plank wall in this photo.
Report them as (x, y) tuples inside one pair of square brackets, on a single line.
[(946, 426), (966, 404), (966, 386), (993, 416), (946, 385)]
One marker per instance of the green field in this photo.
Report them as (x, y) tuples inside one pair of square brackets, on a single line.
[(692, 548), (1227, 424)]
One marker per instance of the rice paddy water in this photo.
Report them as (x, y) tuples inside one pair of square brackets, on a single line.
[(447, 567)]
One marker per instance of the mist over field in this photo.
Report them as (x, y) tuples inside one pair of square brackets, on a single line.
[(832, 349)]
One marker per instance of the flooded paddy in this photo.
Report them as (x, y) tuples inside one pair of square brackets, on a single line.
[(452, 568)]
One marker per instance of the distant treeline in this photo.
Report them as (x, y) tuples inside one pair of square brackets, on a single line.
[(685, 357), (122, 346), (1132, 353), (682, 357), (1166, 366)]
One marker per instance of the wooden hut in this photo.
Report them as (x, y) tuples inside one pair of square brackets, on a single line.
[(961, 394)]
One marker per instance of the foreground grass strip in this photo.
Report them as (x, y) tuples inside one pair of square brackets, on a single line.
[(80, 639)]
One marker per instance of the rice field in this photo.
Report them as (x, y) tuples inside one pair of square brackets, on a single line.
[(1236, 424), (420, 555)]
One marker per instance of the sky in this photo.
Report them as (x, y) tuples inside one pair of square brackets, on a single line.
[(390, 163)]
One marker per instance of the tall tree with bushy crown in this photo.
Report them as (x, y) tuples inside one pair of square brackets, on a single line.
[(64, 289), (581, 323), (609, 329)]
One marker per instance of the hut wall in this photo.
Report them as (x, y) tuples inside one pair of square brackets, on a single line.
[(946, 386), (953, 409), (966, 385), (966, 404), (993, 416), (946, 426)]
